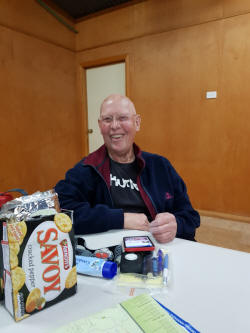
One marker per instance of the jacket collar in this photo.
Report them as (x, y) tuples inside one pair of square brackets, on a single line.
[(97, 158), (100, 157)]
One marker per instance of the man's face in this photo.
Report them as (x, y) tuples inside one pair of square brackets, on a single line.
[(118, 125)]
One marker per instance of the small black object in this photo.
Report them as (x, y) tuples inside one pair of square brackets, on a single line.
[(81, 251), (131, 263)]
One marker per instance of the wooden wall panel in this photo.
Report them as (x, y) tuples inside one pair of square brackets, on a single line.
[(144, 18), (170, 72), (235, 101), (177, 51), (40, 136), (32, 19), (233, 8)]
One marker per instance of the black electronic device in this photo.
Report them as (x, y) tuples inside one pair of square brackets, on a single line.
[(131, 262), (138, 243)]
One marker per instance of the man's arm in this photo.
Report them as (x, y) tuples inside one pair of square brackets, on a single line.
[(80, 192), (182, 222), (177, 218), (187, 218), (89, 198)]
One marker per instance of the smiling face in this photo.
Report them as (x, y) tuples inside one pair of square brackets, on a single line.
[(118, 124)]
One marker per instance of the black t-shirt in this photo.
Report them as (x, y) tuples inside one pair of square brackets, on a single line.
[(124, 190)]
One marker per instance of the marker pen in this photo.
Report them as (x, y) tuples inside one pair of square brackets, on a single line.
[(165, 270), (160, 261), (147, 264), (155, 266)]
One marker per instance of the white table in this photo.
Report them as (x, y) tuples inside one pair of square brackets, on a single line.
[(209, 287)]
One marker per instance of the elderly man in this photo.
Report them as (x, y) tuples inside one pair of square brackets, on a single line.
[(119, 186)]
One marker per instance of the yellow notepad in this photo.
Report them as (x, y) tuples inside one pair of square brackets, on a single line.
[(138, 314), (150, 316)]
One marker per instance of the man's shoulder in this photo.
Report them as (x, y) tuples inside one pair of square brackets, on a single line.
[(159, 164), (95, 158), (152, 157)]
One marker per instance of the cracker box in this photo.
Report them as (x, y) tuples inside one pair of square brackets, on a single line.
[(39, 267)]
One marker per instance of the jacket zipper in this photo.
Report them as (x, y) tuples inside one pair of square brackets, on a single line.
[(149, 196)]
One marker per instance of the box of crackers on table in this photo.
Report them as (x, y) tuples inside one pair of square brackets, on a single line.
[(37, 254)]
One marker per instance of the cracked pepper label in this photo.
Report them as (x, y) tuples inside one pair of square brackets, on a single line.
[(47, 260)]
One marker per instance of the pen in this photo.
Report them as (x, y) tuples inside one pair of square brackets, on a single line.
[(155, 266), (165, 269), (146, 264), (160, 261)]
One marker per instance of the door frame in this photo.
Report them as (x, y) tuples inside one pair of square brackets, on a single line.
[(83, 86)]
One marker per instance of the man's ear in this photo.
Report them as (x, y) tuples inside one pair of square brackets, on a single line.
[(99, 124), (137, 122)]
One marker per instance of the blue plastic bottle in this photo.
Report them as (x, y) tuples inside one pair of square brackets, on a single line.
[(96, 267)]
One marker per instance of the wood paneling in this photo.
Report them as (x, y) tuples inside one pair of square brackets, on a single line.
[(200, 46), (39, 124), (177, 50), (30, 18), (144, 18)]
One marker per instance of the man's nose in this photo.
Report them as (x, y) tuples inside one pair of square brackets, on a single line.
[(115, 123)]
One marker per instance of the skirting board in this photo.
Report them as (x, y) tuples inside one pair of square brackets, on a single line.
[(245, 219)]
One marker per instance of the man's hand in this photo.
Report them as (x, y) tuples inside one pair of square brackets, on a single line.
[(164, 227), (136, 221)]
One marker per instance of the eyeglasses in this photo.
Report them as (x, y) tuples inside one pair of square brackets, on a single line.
[(119, 119)]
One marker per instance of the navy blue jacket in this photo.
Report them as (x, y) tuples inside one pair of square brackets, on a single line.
[(86, 191)]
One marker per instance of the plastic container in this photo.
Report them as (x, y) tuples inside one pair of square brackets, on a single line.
[(96, 267), (5, 197)]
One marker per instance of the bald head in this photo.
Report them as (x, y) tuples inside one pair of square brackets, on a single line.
[(118, 123), (116, 99)]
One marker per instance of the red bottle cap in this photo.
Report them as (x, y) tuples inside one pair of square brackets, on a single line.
[(4, 197)]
